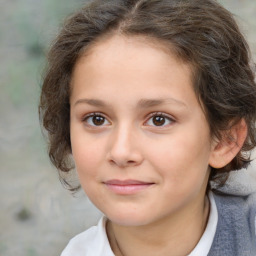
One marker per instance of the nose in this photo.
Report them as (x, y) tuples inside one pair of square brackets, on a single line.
[(124, 148)]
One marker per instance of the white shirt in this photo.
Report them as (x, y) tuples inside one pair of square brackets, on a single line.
[(94, 241)]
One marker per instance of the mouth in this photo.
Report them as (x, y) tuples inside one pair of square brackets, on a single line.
[(127, 187)]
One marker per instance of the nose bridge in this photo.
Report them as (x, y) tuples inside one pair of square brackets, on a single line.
[(124, 147), (123, 141)]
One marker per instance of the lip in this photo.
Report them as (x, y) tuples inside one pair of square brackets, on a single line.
[(127, 187)]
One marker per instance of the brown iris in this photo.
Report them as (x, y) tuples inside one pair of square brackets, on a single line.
[(98, 120), (159, 120)]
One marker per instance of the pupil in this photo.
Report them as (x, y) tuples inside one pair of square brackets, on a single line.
[(98, 120), (158, 120)]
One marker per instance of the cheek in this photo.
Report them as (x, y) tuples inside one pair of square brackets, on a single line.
[(86, 162), (86, 154), (182, 159)]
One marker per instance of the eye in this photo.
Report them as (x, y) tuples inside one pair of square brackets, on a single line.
[(159, 119), (95, 119)]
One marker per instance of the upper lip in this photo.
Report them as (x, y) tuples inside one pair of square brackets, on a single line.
[(126, 182)]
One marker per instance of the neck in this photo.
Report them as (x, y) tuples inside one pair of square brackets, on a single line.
[(163, 237)]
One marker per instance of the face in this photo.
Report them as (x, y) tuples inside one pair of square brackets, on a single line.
[(140, 140)]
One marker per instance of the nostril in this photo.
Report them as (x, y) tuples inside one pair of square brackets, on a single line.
[(124, 156), (130, 162), (112, 161), (123, 163)]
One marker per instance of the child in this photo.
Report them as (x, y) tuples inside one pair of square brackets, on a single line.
[(155, 101)]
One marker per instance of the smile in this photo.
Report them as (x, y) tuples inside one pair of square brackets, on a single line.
[(127, 187)]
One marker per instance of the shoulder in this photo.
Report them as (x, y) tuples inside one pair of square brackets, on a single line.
[(79, 244), (235, 201), (235, 233), (92, 242), (237, 209)]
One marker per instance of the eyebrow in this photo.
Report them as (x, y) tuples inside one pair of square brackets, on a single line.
[(143, 103), (147, 103), (92, 102)]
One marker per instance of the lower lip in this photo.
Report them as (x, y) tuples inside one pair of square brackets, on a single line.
[(128, 189)]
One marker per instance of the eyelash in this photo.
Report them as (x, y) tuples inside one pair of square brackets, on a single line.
[(162, 115), (91, 115), (150, 116)]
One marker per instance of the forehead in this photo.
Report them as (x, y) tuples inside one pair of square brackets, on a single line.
[(143, 51), (133, 65), (114, 44)]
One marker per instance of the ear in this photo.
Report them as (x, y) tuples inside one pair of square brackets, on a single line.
[(227, 148)]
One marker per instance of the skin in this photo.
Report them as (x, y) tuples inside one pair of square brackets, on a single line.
[(127, 81)]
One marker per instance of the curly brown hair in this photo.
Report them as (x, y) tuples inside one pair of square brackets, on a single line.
[(200, 32)]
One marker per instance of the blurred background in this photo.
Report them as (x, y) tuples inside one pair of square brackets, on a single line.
[(37, 215)]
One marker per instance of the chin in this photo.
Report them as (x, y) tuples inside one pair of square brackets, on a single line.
[(131, 220)]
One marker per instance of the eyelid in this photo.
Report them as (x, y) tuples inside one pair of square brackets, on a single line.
[(157, 113), (167, 116), (92, 114)]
